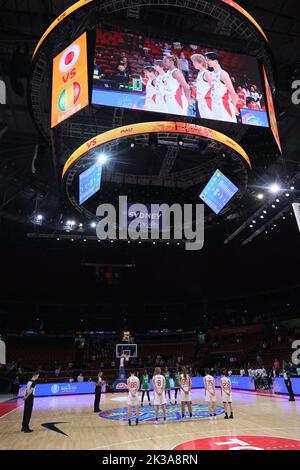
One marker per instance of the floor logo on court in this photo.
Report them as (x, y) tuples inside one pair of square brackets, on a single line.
[(147, 413), (240, 443)]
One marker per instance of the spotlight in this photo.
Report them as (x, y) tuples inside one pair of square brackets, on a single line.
[(39, 217), (274, 188), (277, 200), (287, 194), (132, 143), (260, 196), (58, 239), (265, 212), (84, 240), (254, 221), (102, 159), (71, 223), (80, 225), (273, 205), (251, 226), (292, 188), (93, 225), (262, 217)]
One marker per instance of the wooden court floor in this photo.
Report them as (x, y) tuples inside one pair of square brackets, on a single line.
[(67, 423)]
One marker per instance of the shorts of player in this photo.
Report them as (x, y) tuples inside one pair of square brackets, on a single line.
[(226, 398), (133, 401), (209, 397), (185, 396), (159, 399), (145, 389), (223, 110), (205, 111)]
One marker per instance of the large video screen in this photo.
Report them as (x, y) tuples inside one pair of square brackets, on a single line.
[(218, 192), (137, 72), (70, 91)]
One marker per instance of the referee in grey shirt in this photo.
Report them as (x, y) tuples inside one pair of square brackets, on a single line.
[(28, 402)]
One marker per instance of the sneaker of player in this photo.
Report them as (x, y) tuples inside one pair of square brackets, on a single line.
[(215, 415), (231, 416), (28, 430), (165, 420), (129, 422), (149, 403), (175, 402), (191, 415), (156, 421), (136, 422), (226, 416), (182, 416)]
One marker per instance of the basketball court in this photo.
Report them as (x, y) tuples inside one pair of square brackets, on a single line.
[(68, 423)]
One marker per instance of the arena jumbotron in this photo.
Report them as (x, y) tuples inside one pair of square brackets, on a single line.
[(150, 218)]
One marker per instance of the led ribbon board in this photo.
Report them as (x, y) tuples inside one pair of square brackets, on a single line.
[(154, 127), (271, 108)]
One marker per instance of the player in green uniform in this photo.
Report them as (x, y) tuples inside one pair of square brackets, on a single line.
[(166, 374), (145, 386), (176, 383)]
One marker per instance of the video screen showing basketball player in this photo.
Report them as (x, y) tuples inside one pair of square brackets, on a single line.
[(224, 97), (144, 73)]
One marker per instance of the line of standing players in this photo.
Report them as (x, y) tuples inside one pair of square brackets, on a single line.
[(183, 383)]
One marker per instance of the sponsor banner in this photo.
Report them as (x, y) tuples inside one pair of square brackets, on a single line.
[(58, 20), (279, 386), (70, 81), (120, 385), (271, 109), (57, 389), (154, 127), (240, 443)]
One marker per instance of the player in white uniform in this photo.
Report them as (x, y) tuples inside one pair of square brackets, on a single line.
[(161, 103), (204, 86), (151, 90), (226, 394), (159, 386), (178, 93), (133, 384), (185, 383), (210, 393), (224, 97)]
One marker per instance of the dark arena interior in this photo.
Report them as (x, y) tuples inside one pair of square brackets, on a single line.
[(149, 227)]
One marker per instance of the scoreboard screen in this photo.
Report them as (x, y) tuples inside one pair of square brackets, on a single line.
[(218, 192)]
